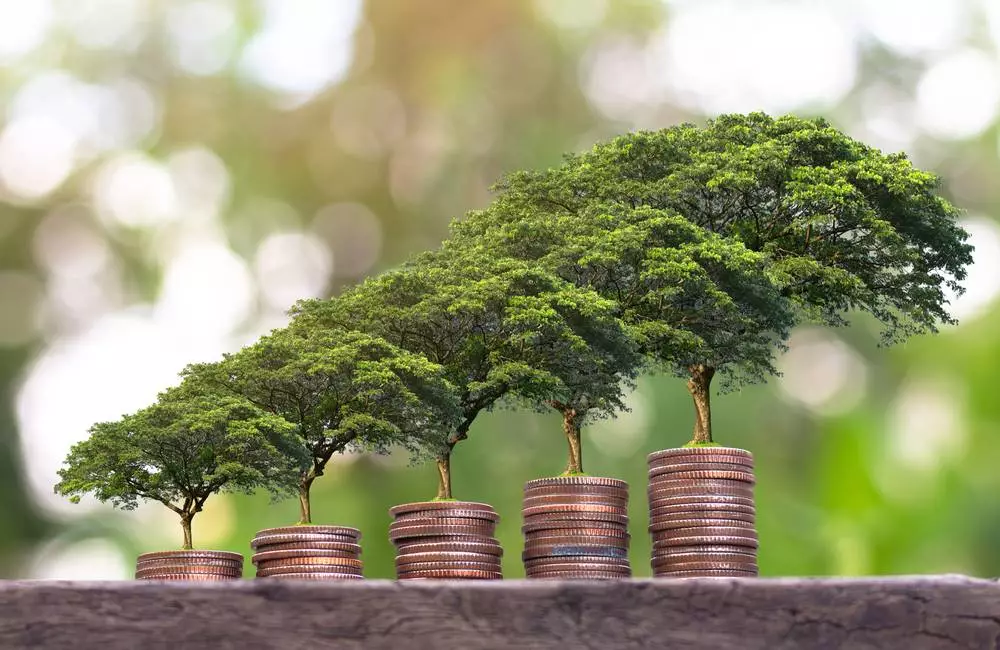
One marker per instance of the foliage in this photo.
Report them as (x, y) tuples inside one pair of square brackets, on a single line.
[(339, 390), (187, 446), (844, 225), (500, 327)]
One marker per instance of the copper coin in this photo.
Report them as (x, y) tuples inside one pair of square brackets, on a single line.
[(312, 576), (214, 555), (533, 540), (482, 524), (452, 574), (193, 570), (266, 556), (578, 563), (706, 529), (404, 532), (659, 548), (585, 499), (700, 451), (713, 524), (191, 577), (703, 502), (664, 517), (445, 566), (711, 566), (677, 468), (658, 497), (709, 540), (579, 575), (166, 562), (446, 539), (414, 558), (422, 506), (483, 515), (611, 517), (335, 547), (707, 573), (474, 548), (577, 481), (702, 475), (674, 482), (285, 538), (578, 527), (314, 561), (665, 561), (310, 529), (569, 550), (706, 510), (573, 507), (590, 491), (307, 568)]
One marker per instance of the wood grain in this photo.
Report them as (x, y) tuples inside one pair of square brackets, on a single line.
[(946, 612)]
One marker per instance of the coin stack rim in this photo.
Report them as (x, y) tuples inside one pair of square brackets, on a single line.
[(702, 512), (291, 552), (441, 540)]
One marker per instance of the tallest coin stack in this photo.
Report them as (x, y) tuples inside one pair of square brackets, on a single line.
[(701, 513)]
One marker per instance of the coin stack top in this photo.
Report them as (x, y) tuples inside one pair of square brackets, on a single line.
[(189, 565), (446, 540), (702, 512), (576, 527), (307, 552)]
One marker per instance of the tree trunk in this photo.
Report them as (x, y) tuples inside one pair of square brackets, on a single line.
[(305, 508), (571, 427), (698, 386), (444, 474), (186, 518)]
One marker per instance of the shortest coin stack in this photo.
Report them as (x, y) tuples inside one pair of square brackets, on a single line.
[(446, 540), (701, 513), (189, 565), (308, 553), (576, 527)]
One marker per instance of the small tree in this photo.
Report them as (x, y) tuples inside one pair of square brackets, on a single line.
[(694, 302), (843, 226), (496, 326), (339, 390), (181, 450)]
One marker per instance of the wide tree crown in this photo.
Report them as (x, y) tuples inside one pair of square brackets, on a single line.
[(844, 225)]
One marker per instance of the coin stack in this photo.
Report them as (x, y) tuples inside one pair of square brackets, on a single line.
[(308, 553), (701, 513), (446, 540), (189, 565), (576, 527)]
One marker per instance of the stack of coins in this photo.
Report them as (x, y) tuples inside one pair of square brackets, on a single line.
[(189, 565), (701, 513), (446, 540), (308, 553), (576, 527)]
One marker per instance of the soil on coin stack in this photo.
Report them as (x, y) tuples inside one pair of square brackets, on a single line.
[(189, 565), (446, 540), (308, 553), (702, 513), (576, 528)]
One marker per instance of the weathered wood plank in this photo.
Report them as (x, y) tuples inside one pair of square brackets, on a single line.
[(946, 612)]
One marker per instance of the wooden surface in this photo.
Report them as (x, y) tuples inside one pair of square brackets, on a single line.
[(911, 613)]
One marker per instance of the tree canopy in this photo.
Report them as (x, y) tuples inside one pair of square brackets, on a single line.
[(338, 390), (501, 328), (844, 225), (694, 302), (187, 446)]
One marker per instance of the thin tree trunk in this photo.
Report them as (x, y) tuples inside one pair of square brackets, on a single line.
[(444, 474), (305, 507), (571, 427), (186, 527), (698, 386)]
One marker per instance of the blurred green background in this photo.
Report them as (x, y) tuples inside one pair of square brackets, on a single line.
[(175, 173)]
